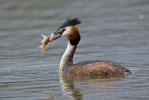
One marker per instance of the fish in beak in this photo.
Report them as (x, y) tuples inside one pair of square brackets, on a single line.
[(45, 42), (48, 39)]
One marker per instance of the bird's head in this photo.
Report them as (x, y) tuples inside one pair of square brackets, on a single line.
[(69, 29)]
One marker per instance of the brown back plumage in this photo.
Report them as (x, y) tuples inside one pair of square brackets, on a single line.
[(97, 68)]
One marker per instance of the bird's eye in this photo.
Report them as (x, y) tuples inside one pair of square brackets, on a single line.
[(62, 30)]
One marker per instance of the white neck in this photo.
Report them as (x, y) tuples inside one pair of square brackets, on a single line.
[(67, 58)]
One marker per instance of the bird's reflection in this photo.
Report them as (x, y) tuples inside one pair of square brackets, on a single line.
[(69, 89), (74, 93)]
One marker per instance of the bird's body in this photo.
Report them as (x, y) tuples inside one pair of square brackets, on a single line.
[(93, 67), (96, 67)]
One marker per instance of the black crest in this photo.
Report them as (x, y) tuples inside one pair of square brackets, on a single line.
[(70, 22)]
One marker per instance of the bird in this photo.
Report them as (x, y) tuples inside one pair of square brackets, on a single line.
[(91, 67)]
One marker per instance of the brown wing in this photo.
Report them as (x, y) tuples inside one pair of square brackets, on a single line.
[(97, 68)]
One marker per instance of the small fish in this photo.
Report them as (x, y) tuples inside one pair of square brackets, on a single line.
[(45, 43)]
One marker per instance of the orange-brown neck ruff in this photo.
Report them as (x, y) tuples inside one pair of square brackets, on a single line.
[(74, 36), (73, 39)]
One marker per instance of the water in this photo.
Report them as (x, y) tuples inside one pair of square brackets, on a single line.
[(114, 30)]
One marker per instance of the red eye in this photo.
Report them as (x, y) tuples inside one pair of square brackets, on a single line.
[(63, 30)]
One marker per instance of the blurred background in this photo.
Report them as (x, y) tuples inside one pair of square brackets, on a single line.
[(116, 30)]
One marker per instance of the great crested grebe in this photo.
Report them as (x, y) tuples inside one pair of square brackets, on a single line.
[(93, 67)]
